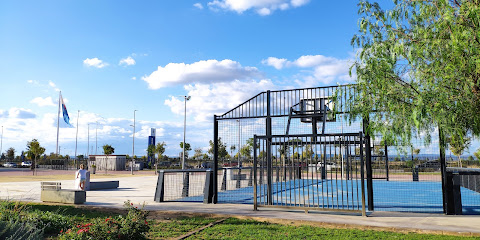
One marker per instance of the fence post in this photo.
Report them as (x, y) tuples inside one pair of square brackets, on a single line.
[(239, 177), (386, 163), (368, 161), (160, 191), (277, 179), (224, 180), (443, 169), (208, 189), (415, 173), (250, 179), (269, 152), (254, 170), (215, 159), (186, 183), (362, 176)]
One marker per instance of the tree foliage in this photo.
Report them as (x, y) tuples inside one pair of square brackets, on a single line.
[(108, 150), (477, 154), (160, 149), (11, 153), (418, 68), (34, 151), (222, 148)]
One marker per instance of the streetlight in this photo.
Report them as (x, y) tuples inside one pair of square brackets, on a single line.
[(133, 141), (96, 131), (1, 143), (186, 98), (76, 141)]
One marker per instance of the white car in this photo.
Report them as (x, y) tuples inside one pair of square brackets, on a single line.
[(27, 164), (10, 164)]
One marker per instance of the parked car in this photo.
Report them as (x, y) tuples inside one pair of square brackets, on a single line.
[(26, 164), (10, 165)]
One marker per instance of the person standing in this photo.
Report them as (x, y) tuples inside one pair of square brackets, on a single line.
[(81, 177)]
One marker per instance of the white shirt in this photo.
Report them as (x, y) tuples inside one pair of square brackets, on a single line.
[(82, 174)]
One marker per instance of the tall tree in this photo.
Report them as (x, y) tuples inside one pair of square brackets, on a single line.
[(159, 150), (418, 69), (477, 154), (107, 150), (458, 146), (187, 148), (222, 148), (198, 153), (151, 152), (11, 153), (34, 151)]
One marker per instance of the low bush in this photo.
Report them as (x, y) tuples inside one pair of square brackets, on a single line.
[(16, 230), (132, 226)]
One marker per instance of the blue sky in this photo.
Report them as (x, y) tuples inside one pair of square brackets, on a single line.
[(111, 57)]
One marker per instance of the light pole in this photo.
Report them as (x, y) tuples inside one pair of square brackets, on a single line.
[(186, 98), (96, 131), (133, 142), (88, 141), (76, 141), (1, 143)]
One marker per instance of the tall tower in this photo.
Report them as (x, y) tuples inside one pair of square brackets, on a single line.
[(151, 141)]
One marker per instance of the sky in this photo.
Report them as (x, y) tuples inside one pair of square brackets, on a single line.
[(109, 58)]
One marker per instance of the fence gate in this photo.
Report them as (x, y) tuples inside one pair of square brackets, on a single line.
[(310, 172)]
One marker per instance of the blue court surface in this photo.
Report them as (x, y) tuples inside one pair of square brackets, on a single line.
[(398, 196)]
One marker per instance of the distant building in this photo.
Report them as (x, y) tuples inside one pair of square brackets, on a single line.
[(110, 162)]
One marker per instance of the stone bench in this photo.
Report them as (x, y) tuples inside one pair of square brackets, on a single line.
[(52, 192), (101, 185)]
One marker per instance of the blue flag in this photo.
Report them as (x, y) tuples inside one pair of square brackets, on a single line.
[(66, 118)]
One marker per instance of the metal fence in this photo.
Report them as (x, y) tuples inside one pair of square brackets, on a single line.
[(397, 178), (188, 185), (310, 172)]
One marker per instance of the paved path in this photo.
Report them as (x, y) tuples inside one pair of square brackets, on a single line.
[(141, 189)]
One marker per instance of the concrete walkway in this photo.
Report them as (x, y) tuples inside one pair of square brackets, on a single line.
[(142, 189)]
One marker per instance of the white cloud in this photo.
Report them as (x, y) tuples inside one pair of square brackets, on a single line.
[(208, 71), (42, 102), (319, 69), (134, 78), (20, 113), (209, 99), (94, 62), (262, 7), (128, 61), (53, 85), (277, 63), (264, 11), (32, 81), (198, 5)]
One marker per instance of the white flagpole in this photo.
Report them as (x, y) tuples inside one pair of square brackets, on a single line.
[(58, 120), (76, 139)]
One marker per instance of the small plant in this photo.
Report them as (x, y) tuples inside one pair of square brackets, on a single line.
[(16, 230), (132, 226)]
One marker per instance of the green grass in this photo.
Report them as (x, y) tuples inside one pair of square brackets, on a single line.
[(234, 228), (177, 227), (172, 225)]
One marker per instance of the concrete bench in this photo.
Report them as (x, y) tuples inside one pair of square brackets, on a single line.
[(102, 185), (52, 192)]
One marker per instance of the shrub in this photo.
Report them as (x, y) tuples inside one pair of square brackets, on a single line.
[(133, 226), (49, 222), (16, 230)]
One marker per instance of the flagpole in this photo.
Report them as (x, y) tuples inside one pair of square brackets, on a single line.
[(58, 121), (76, 139)]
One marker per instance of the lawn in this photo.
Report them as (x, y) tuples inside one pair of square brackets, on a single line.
[(163, 225)]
